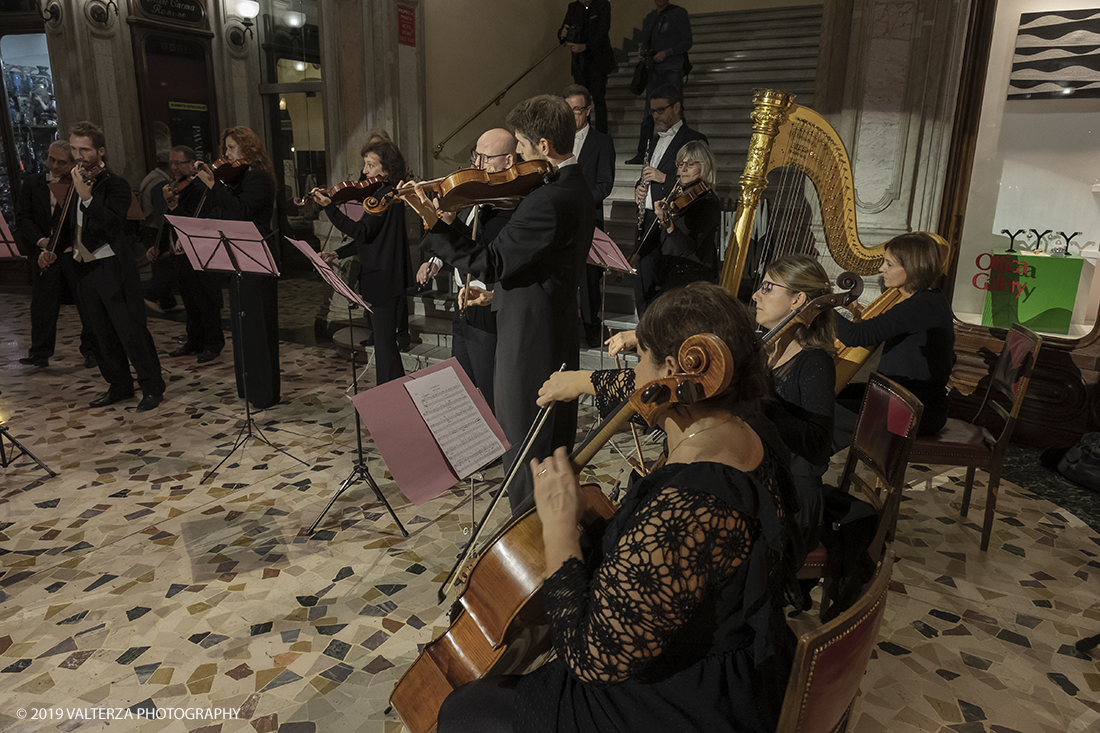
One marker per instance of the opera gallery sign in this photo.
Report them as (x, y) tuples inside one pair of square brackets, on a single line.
[(188, 12)]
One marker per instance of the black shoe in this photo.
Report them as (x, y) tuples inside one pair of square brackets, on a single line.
[(368, 341), (110, 397), (148, 402), (90, 362), (404, 346), (185, 350), (37, 361), (636, 160), (593, 335), (208, 356)]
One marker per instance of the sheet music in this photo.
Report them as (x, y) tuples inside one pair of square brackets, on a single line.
[(461, 432)]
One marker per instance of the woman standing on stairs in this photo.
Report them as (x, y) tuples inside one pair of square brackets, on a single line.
[(381, 241)]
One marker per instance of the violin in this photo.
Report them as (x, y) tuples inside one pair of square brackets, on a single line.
[(779, 337), (229, 172), (499, 622), (678, 200), (347, 191), (91, 175), (472, 186)]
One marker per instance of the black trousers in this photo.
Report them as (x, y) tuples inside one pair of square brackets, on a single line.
[(254, 312), (475, 347), (160, 288), (591, 294), (110, 291), (587, 75), (46, 306), (385, 318), (202, 297)]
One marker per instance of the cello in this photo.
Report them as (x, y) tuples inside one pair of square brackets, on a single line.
[(499, 624)]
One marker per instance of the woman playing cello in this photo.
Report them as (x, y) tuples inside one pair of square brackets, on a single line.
[(675, 622)]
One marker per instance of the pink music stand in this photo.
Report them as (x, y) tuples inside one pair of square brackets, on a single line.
[(8, 248), (606, 254)]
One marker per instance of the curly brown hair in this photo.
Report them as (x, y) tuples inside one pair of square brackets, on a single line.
[(252, 148)]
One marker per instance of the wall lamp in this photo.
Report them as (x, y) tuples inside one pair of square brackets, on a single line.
[(52, 12), (247, 10), (99, 11)]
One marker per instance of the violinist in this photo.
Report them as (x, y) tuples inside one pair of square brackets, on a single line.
[(674, 622), (804, 375), (37, 216), (688, 244), (227, 193), (474, 332), (535, 262), (382, 243), (110, 287), (201, 291)]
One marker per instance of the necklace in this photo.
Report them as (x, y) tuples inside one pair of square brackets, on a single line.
[(701, 430)]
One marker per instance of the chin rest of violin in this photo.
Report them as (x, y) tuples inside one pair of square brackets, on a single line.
[(654, 392), (688, 392)]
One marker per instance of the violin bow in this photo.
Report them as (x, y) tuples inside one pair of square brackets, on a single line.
[(634, 431)]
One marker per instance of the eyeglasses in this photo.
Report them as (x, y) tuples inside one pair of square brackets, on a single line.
[(767, 285), (480, 157), (660, 110)]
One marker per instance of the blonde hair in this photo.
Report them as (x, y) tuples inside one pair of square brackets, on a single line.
[(804, 274), (697, 151)]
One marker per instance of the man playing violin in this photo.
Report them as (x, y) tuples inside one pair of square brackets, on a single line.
[(474, 332), (201, 291), (37, 215), (110, 287), (534, 262)]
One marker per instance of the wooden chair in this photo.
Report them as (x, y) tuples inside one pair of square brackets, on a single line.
[(830, 662), (971, 444), (884, 435)]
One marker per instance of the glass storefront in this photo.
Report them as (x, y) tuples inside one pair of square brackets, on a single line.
[(32, 111)]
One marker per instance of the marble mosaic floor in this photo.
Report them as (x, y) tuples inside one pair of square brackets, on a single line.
[(127, 584)]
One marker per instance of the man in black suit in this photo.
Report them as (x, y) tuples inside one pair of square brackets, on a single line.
[(37, 212), (474, 329), (586, 31), (595, 153), (658, 179), (110, 288), (535, 262)]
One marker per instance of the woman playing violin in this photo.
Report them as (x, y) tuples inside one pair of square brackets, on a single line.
[(382, 244), (804, 374), (675, 622), (689, 235), (247, 196)]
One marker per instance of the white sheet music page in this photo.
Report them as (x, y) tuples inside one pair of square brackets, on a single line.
[(465, 438)]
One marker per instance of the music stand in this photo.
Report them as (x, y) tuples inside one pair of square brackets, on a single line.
[(17, 449), (235, 247), (359, 472), (8, 248), (606, 254)]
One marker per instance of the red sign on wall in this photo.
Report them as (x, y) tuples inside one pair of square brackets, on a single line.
[(406, 25)]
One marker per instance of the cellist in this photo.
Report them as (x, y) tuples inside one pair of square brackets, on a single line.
[(676, 622)]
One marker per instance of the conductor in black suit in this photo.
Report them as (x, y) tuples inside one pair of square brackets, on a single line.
[(586, 31), (658, 178), (595, 154), (535, 262), (37, 213)]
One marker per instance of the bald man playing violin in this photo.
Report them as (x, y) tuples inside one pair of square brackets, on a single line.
[(474, 331), (533, 264)]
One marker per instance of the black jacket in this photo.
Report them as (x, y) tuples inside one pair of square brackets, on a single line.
[(382, 243), (668, 31), (591, 26), (667, 163), (105, 213), (34, 219), (597, 162)]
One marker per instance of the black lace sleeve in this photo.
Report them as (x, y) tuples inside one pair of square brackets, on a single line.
[(678, 545), (612, 386)]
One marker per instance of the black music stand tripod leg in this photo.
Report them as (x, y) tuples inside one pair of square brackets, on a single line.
[(18, 449), (359, 470)]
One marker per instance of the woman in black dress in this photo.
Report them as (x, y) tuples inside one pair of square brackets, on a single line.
[(382, 243), (675, 622), (917, 335), (689, 241), (804, 376), (251, 198)]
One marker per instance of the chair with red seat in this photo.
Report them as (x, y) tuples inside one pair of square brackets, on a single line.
[(887, 426), (830, 662), (971, 444)]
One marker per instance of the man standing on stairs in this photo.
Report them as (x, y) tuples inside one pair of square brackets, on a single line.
[(586, 31), (656, 182), (595, 153), (666, 40)]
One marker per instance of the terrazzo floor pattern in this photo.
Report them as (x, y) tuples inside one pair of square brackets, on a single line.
[(125, 583)]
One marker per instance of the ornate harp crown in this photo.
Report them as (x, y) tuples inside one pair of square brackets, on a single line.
[(787, 135)]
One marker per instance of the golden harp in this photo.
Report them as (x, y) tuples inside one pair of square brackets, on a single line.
[(786, 135)]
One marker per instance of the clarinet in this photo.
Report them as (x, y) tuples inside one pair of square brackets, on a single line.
[(641, 204)]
